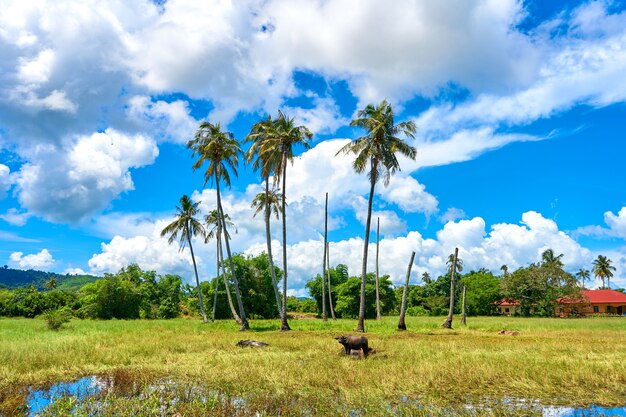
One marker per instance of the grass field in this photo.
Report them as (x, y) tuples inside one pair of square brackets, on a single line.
[(573, 362)]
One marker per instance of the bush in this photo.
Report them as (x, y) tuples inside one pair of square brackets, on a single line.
[(57, 318), (417, 311)]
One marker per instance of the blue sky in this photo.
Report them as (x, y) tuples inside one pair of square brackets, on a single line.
[(520, 110)]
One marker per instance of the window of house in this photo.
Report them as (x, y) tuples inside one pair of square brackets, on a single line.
[(506, 310), (596, 309), (561, 310)]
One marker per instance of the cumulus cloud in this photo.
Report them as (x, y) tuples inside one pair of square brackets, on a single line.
[(5, 180), (67, 187), (616, 226), (15, 217), (42, 260)]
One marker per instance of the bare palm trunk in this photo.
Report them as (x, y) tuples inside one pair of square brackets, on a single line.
[(284, 325), (195, 270), (324, 316), (378, 315), (229, 296), (361, 325), (447, 324), (463, 315), (330, 292), (401, 324), (217, 277), (242, 313), (268, 237)]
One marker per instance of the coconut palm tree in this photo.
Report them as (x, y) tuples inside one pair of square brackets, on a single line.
[(221, 151), (505, 270), (602, 268), (426, 278), (582, 275), (454, 262), (183, 228), (324, 260), (277, 139), (214, 227), (548, 259), (378, 316), (269, 202), (401, 323), (376, 152)]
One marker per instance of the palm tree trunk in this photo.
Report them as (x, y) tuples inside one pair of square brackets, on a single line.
[(463, 315), (401, 324), (229, 296), (268, 237), (195, 270), (361, 325), (378, 316), (447, 324), (242, 313), (330, 292), (217, 277), (284, 325), (324, 316)]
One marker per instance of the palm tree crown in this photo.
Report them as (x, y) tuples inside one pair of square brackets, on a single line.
[(185, 225), (273, 198), (602, 268), (220, 149)]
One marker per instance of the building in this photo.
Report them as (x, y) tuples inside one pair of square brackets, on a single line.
[(507, 306), (593, 302)]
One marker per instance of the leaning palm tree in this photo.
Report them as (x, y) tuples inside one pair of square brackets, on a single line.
[(277, 140), (582, 275), (221, 151), (602, 268), (269, 202), (214, 225), (377, 152), (183, 228), (401, 323)]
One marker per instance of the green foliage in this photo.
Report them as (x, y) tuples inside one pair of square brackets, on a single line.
[(338, 275), (301, 305), (55, 319), (483, 288), (417, 311), (17, 278), (348, 294)]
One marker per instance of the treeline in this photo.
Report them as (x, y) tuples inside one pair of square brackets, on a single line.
[(15, 278)]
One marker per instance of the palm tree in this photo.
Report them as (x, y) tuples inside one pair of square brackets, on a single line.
[(401, 324), (330, 291), (426, 278), (212, 220), (221, 150), (549, 259), (505, 270), (602, 268), (324, 260), (454, 263), (377, 151), (453, 258), (269, 202), (582, 275), (276, 140), (378, 316), (51, 283), (183, 228)]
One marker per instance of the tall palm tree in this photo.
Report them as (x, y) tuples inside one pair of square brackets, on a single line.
[(453, 258), (454, 262), (602, 268), (214, 225), (269, 202), (324, 260), (330, 290), (377, 151), (277, 139), (221, 151), (183, 228), (582, 275), (401, 323), (378, 316)]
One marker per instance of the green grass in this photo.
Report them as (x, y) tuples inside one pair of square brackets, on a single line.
[(555, 361)]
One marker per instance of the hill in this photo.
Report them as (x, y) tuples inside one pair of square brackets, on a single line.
[(15, 278)]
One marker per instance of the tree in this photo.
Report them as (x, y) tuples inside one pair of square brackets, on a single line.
[(426, 278), (483, 289), (221, 150), (51, 284), (330, 290), (505, 270), (184, 227), (324, 260), (212, 220), (548, 258), (378, 316), (269, 202), (377, 151), (279, 137), (454, 262), (401, 324), (582, 275), (463, 315), (602, 268)]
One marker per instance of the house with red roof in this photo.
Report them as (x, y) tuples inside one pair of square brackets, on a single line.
[(507, 306), (593, 302)]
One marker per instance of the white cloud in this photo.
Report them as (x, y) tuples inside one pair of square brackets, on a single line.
[(5, 180), (452, 214), (67, 187), (616, 226), (15, 217), (74, 271), (42, 260)]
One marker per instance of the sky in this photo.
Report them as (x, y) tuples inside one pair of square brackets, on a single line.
[(520, 108)]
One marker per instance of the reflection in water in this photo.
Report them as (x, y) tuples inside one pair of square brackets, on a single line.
[(38, 400)]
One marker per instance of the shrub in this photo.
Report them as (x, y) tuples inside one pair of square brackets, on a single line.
[(57, 318), (417, 311)]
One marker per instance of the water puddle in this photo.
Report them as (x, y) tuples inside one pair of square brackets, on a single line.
[(173, 392)]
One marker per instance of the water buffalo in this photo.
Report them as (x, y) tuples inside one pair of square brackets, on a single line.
[(354, 343)]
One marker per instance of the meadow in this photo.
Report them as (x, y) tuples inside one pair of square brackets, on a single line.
[(424, 371)]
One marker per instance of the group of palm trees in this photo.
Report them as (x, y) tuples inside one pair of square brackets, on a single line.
[(602, 269), (272, 145)]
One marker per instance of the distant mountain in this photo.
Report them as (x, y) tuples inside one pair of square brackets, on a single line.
[(15, 278)]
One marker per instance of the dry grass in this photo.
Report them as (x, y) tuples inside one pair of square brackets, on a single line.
[(555, 361)]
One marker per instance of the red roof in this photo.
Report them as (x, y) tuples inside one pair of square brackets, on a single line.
[(598, 297), (507, 302)]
